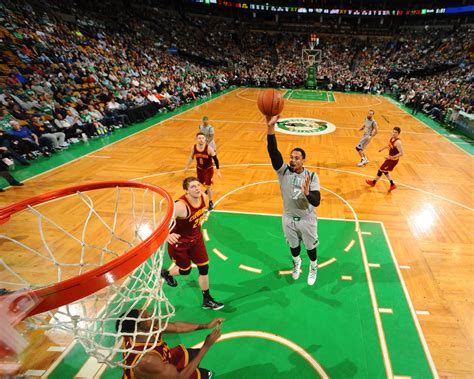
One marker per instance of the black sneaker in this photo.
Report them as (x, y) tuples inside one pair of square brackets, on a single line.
[(211, 206), (168, 278), (210, 303), (17, 184)]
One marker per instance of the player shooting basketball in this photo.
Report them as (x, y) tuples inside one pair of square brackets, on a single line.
[(301, 194)]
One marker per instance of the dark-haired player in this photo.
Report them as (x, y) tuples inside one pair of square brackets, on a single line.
[(139, 333), (300, 192)]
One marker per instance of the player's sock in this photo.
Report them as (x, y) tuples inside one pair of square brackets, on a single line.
[(206, 295)]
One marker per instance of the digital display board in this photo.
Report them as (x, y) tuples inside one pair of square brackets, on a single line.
[(336, 11)]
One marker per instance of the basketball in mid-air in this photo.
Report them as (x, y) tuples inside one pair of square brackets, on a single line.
[(270, 102)]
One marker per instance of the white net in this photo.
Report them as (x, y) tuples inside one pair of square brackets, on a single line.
[(58, 240)]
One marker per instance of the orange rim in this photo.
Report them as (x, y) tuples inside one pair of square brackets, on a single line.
[(71, 290)]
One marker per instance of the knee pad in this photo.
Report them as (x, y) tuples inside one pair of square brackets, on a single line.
[(385, 173), (379, 173), (185, 272), (203, 270), (295, 251), (358, 148)]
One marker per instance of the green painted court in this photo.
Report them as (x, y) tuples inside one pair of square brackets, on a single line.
[(268, 315), (310, 95)]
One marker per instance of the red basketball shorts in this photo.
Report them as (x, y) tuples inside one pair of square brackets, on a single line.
[(205, 176), (388, 165), (183, 253)]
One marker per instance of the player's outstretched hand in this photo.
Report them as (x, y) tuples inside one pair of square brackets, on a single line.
[(215, 322), (173, 238), (305, 186), (219, 173), (272, 120), (213, 337)]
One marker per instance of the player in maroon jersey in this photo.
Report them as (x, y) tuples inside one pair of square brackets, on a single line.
[(185, 242), (139, 333), (204, 155), (394, 153)]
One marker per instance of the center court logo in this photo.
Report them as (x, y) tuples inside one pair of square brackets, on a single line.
[(304, 126)]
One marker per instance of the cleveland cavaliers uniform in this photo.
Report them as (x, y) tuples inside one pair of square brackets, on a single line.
[(177, 356), (390, 164), (204, 167), (190, 246)]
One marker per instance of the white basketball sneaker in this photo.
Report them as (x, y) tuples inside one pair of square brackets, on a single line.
[(295, 273), (361, 163), (313, 274)]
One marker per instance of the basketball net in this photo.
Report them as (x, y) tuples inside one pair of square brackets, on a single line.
[(116, 220)]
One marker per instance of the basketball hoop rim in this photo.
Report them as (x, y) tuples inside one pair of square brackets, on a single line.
[(73, 289)]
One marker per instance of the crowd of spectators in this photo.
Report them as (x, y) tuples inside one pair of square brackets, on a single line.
[(70, 74)]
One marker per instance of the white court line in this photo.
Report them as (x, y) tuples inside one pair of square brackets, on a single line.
[(219, 254), (410, 305), (386, 310), (286, 272), (423, 313), (348, 247), (251, 269), (405, 267), (240, 122), (374, 265), (279, 215), (346, 277), (57, 348), (34, 373), (367, 233), (327, 263), (98, 156), (275, 338), (205, 235), (59, 359), (320, 168)]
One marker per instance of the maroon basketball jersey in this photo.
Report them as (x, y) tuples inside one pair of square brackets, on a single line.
[(190, 227), (392, 148), (203, 158), (161, 349)]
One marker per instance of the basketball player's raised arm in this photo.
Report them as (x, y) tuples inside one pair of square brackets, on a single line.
[(213, 154), (190, 160), (180, 211), (275, 155), (186, 327)]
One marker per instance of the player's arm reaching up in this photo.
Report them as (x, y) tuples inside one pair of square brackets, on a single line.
[(213, 154), (190, 160), (275, 155), (180, 211)]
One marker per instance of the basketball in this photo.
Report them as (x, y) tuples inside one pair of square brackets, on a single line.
[(270, 102)]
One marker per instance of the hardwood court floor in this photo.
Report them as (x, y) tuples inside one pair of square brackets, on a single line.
[(429, 218)]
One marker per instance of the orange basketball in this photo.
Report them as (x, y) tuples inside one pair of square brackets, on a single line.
[(270, 102)]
